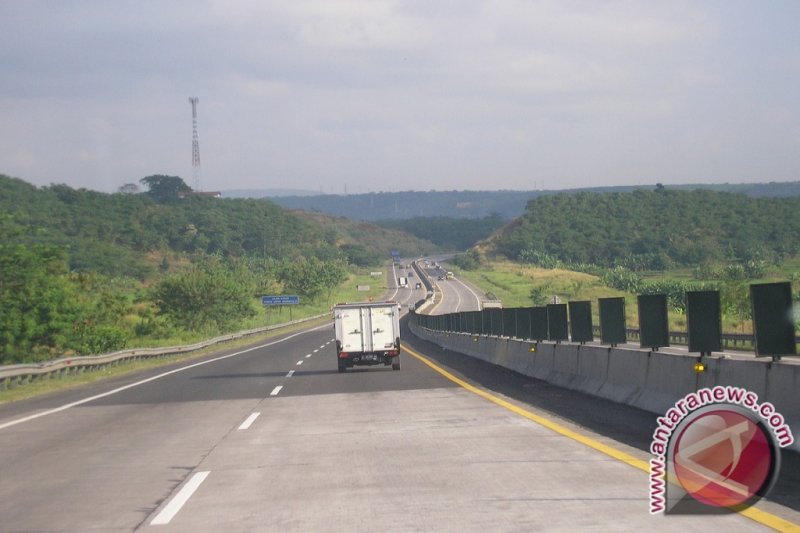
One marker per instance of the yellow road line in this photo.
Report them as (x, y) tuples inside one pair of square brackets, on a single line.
[(762, 517)]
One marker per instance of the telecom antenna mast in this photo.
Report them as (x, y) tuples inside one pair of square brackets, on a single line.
[(195, 145)]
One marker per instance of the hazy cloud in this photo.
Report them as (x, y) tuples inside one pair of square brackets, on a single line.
[(385, 95)]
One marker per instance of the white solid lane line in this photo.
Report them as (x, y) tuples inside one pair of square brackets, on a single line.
[(180, 499), (290, 374), (249, 422)]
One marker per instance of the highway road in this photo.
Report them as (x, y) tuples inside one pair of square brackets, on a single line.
[(271, 437), (452, 295)]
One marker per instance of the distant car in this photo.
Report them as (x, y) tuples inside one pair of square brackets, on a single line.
[(440, 278), (418, 286)]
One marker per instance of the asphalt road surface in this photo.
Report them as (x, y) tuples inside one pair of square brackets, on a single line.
[(272, 438)]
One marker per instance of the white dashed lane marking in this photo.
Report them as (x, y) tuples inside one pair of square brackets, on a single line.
[(290, 374), (276, 390), (299, 363), (249, 421), (180, 499)]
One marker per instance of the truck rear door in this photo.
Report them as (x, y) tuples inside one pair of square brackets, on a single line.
[(382, 327), (353, 332)]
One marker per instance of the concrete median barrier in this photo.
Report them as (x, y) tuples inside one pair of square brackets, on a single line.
[(627, 372), (592, 368), (646, 379), (565, 366), (668, 378)]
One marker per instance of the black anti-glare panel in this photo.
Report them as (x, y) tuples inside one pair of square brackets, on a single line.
[(473, 322), (484, 322), (580, 321), (704, 319), (653, 321), (496, 318), (612, 321), (557, 322), (509, 322), (524, 322), (773, 323), (539, 323)]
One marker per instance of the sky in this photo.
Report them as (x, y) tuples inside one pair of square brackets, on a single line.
[(365, 96)]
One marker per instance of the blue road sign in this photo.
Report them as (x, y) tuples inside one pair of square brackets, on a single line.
[(283, 299)]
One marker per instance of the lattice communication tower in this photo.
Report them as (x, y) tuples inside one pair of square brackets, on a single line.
[(195, 144)]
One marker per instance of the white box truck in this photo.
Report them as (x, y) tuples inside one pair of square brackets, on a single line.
[(367, 333), (402, 282)]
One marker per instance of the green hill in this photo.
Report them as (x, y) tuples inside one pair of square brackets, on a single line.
[(86, 272), (653, 229), (116, 234)]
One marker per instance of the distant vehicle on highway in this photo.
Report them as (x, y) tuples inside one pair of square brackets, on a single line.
[(402, 282), (440, 278), (418, 286), (449, 275)]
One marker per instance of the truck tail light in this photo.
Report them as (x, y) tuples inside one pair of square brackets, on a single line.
[(344, 355)]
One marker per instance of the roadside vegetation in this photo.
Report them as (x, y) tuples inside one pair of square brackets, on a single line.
[(84, 273), (662, 241), (524, 285), (264, 316)]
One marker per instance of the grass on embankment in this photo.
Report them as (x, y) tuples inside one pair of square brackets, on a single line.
[(514, 283)]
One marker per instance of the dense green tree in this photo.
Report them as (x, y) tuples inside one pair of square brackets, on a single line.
[(164, 189), (37, 305), (359, 255), (209, 294), (311, 277), (470, 260), (45, 309)]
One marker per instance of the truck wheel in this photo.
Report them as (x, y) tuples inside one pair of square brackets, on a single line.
[(396, 366), (342, 368)]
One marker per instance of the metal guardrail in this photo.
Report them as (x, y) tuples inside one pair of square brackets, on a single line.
[(16, 375)]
